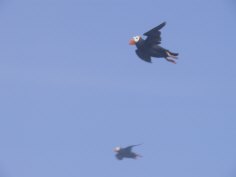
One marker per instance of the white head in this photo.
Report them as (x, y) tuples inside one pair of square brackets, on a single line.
[(117, 149), (134, 40)]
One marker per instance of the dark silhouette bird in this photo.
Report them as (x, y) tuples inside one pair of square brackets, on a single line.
[(150, 46), (126, 152)]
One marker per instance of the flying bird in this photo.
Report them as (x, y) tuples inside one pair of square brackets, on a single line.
[(126, 152), (150, 46)]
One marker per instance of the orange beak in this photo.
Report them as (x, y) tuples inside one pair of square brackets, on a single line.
[(132, 42)]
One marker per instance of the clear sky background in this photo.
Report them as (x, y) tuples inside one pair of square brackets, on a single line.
[(71, 89)]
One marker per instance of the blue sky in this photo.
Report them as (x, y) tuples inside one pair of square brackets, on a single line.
[(72, 89)]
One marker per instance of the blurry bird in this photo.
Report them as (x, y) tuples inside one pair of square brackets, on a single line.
[(150, 46), (126, 152)]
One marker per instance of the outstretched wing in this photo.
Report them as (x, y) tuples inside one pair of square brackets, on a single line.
[(129, 148), (154, 35), (143, 55)]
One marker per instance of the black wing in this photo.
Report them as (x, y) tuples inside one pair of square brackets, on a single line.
[(119, 156), (154, 35), (143, 55), (129, 148)]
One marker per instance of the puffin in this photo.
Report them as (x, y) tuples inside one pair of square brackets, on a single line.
[(126, 152), (150, 47)]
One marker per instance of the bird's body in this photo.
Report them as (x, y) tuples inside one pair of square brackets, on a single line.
[(126, 152), (150, 47)]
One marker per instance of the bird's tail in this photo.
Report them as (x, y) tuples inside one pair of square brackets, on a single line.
[(138, 156), (174, 54)]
